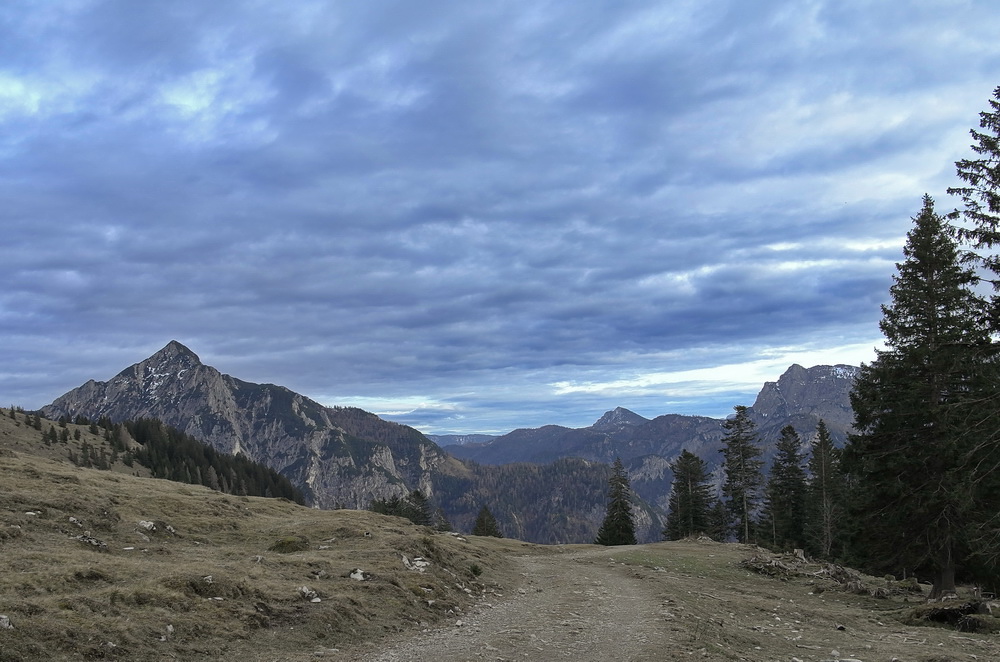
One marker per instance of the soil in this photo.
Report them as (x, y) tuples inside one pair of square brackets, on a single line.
[(573, 605), (570, 606), (679, 601)]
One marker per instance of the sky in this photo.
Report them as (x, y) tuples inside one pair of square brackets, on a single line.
[(472, 217)]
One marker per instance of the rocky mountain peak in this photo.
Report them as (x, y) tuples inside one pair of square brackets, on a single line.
[(174, 350), (173, 359), (618, 418), (821, 391)]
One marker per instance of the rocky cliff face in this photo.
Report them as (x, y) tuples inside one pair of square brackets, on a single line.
[(803, 396), (340, 456)]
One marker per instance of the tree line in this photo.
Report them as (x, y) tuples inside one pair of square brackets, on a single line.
[(916, 489), (169, 453)]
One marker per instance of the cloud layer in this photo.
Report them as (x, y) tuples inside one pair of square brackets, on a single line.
[(471, 217)]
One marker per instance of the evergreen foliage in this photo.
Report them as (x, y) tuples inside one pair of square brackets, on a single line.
[(742, 466), (826, 493), (546, 503), (171, 454), (414, 507), (784, 513), (719, 523), (486, 524), (981, 193), (921, 474), (691, 498), (618, 527)]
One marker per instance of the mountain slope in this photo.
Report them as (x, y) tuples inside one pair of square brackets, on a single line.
[(347, 457), (340, 456)]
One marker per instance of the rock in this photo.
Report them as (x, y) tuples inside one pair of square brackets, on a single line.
[(418, 564), (360, 575), (90, 540), (5, 623), (308, 593), (149, 526)]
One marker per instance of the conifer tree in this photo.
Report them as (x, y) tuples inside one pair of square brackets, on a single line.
[(618, 527), (486, 524), (917, 476), (742, 466), (784, 511), (420, 508), (981, 193), (690, 498), (719, 524), (825, 503)]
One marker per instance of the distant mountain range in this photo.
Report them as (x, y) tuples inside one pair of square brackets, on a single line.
[(800, 398), (544, 485)]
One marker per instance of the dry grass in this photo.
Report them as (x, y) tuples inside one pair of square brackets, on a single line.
[(217, 577), (723, 608)]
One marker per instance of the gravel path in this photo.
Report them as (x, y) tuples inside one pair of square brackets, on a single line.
[(576, 606)]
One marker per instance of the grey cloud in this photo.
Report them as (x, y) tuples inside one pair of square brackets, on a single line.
[(462, 203)]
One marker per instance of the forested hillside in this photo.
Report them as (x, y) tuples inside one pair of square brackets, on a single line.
[(146, 447)]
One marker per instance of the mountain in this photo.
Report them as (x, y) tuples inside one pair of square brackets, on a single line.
[(347, 457), (543, 485), (460, 439), (800, 398), (338, 456)]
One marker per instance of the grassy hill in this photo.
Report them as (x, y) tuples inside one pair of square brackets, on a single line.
[(105, 564)]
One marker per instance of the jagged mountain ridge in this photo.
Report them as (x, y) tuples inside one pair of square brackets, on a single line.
[(346, 457), (800, 398), (312, 445)]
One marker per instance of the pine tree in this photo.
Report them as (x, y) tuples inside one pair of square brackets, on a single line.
[(441, 522), (742, 466), (825, 502), (917, 476), (618, 527), (719, 523), (486, 524), (690, 498), (784, 513), (419, 508), (981, 194)]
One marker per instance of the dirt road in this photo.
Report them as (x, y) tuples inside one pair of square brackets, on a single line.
[(680, 601), (577, 605)]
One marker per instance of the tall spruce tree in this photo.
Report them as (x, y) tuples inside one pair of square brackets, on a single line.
[(690, 498), (783, 519), (742, 466), (918, 410), (981, 193), (486, 524), (981, 197), (825, 496), (618, 527)]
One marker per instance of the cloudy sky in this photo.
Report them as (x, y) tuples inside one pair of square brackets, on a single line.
[(472, 216)]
